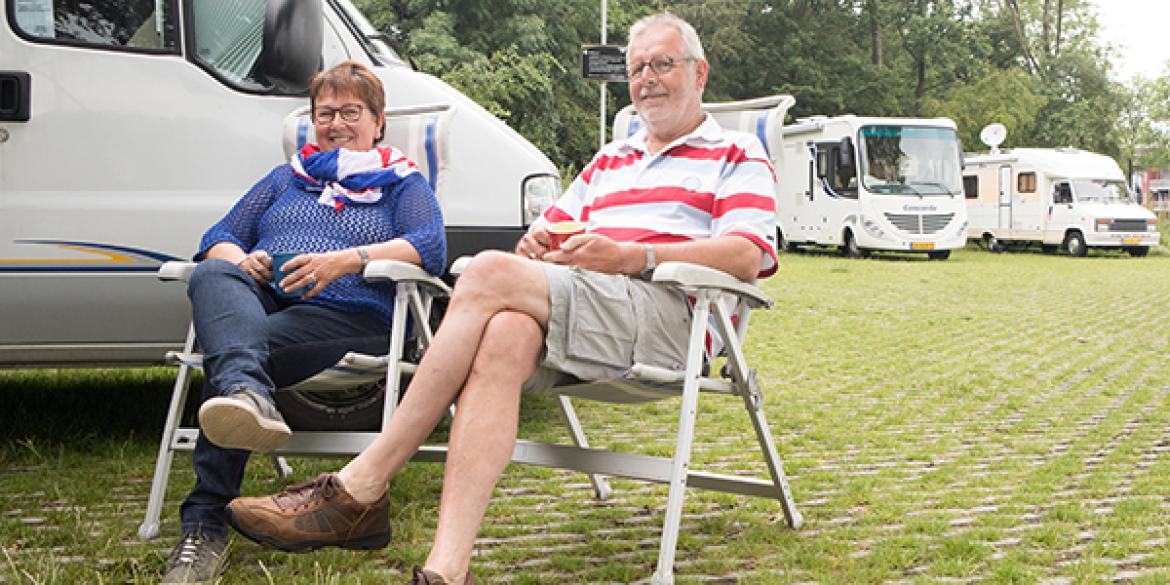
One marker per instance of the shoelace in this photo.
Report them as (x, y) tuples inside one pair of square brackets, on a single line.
[(299, 496), (187, 552)]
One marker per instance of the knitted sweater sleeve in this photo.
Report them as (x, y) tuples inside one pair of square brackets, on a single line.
[(420, 222)]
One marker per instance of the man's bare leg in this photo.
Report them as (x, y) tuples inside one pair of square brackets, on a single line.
[(493, 282), (483, 435)]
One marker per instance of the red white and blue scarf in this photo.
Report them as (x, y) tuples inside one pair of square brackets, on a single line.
[(346, 176)]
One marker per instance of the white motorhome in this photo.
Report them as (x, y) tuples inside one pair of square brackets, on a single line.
[(865, 184), (127, 127), (1056, 197)]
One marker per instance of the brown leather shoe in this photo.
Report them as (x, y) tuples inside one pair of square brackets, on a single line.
[(311, 515), (425, 577)]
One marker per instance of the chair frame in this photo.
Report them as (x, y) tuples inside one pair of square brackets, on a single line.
[(414, 296), (711, 288)]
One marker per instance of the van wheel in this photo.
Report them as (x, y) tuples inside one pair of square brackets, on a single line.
[(1074, 244), (850, 249), (1138, 251), (991, 243), (939, 255), (357, 409), (784, 245)]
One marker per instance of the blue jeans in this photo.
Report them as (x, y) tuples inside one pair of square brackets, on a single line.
[(253, 339)]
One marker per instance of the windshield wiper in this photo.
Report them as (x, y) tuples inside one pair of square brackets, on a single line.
[(943, 190)]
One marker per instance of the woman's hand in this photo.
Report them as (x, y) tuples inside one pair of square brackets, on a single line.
[(258, 265), (533, 244), (317, 270)]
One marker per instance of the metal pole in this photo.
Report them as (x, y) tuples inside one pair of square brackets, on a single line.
[(601, 127)]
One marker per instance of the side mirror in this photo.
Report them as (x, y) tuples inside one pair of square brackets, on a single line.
[(845, 156), (294, 31)]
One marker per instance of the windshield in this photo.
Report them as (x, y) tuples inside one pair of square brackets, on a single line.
[(374, 41), (1100, 191), (910, 160)]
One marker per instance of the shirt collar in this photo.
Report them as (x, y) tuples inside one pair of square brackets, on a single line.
[(708, 132)]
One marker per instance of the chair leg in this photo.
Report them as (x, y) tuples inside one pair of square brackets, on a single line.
[(664, 575), (768, 446), (283, 469), (600, 485), (162, 466)]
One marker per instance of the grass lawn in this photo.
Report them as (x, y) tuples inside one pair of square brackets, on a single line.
[(991, 418)]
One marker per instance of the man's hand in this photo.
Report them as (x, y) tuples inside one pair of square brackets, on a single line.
[(600, 254), (534, 244)]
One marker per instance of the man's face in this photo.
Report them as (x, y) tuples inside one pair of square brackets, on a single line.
[(665, 100)]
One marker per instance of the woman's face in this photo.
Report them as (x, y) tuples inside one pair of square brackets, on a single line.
[(343, 120)]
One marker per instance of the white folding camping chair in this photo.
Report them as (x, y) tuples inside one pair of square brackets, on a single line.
[(420, 132), (715, 294)]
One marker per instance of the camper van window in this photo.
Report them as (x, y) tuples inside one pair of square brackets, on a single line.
[(901, 160), (132, 25), (1026, 183), (971, 186), (836, 177), (228, 38), (1100, 191), (1061, 193)]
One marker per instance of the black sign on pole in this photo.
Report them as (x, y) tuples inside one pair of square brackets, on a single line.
[(603, 62)]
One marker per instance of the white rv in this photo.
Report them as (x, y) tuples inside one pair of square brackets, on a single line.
[(127, 127), (1056, 197), (864, 184)]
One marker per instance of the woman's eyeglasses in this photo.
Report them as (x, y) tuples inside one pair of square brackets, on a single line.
[(660, 65), (348, 113)]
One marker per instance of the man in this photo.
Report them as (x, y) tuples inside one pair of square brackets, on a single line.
[(679, 189)]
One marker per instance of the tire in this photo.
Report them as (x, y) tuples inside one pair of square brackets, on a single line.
[(357, 409), (1138, 251), (850, 249), (1074, 244), (784, 245), (939, 255), (992, 244)]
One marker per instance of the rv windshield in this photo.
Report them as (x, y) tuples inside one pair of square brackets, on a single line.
[(910, 160), (1100, 191)]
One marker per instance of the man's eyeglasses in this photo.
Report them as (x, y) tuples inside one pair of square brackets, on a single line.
[(348, 113), (660, 65)]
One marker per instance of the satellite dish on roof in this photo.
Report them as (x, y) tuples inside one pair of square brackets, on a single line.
[(992, 135)]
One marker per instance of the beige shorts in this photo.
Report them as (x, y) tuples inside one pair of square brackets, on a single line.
[(601, 324)]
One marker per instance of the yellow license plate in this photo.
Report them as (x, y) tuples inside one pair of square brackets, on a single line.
[(921, 245), (1131, 241)]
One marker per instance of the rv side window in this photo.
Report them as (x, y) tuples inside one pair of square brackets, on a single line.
[(840, 179), (971, 186), (133, 25), (1062, 193), (1026, 183)]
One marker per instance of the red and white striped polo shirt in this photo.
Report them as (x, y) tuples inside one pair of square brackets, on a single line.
[(709, 183)]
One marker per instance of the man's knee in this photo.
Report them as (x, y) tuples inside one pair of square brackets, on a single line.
[(490, 273)]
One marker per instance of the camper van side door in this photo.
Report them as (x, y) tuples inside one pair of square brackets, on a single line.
[(835, 169)]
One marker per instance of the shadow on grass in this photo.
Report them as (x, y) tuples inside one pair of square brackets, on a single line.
[(72, 406)]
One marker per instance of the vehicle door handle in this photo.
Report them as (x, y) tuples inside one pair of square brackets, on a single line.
[(15, 96)]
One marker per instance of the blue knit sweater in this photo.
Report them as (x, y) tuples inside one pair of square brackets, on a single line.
[(278, 216)]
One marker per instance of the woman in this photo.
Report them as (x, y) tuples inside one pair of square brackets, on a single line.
[(337, 205)]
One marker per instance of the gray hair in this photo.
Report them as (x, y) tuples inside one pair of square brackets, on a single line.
[(690, 38)]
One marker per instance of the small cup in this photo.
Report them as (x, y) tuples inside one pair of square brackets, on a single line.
[(561, 231), (278, 261)]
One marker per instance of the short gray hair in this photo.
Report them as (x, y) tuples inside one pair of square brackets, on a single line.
[(690, 38)]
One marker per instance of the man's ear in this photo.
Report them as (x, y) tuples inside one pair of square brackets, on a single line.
[(701, 69)]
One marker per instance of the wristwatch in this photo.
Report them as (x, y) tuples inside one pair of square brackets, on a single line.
[(648, 271), (364, 255)]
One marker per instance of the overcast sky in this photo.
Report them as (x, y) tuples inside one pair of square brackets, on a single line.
[(1139, 30)]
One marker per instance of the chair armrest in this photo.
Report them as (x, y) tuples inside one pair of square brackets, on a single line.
[(399, 271), (176, 270), (697, 276), (459, 265)]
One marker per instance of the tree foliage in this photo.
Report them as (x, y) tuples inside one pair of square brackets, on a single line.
[(1037, 66)]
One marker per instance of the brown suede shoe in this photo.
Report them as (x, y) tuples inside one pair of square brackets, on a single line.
[(311, 515), (425, 577)]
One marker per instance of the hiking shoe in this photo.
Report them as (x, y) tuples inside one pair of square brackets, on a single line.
[(313, 514), (425, 577), (244, 420), (198, 558)]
